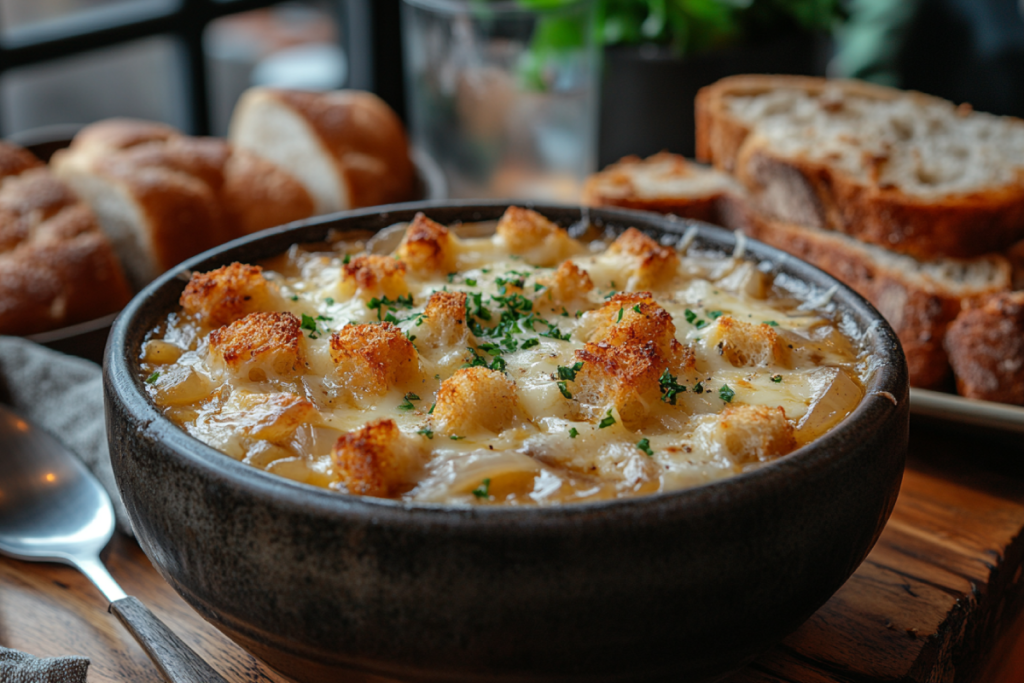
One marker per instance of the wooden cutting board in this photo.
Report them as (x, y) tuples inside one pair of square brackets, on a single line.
[(939, 599)]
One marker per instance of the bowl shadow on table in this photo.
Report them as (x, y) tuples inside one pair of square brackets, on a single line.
[(88, 339), (991, 449)]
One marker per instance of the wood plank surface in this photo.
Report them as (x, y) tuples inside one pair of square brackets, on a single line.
[(939, 599)]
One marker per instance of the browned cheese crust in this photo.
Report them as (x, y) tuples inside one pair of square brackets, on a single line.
[(226, 294), (959, 225), (986, 349)]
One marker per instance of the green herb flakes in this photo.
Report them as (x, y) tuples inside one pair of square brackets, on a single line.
[(483, 490), (565, 392), (608, 421), (726, 394), (570, 372), (777, 378), (153, 378), (427, 432), (645, 445), (407, 403), (573, 433)]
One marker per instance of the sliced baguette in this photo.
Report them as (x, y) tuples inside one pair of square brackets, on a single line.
[(918, 298), (162, 196), (904, 170), (664, 183), (348, 148)]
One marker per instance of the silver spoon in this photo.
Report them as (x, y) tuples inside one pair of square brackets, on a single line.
[(52, 509)]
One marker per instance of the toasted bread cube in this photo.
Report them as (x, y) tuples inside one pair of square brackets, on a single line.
[(986, 348), (428, 247), (444, 325), (642, 320), (476, 400), (273, 417), (626, 376), (528, 234), (372, 275), (654, 262), (259, 345), (226, 294), (568, 287), (747, 344), (755, 433), (374, 358), (376, 459)]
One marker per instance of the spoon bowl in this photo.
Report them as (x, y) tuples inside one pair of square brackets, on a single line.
[(53, 509)]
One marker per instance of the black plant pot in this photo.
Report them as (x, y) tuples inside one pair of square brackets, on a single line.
[(647, 92)]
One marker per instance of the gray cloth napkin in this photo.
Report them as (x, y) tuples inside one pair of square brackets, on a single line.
[(63, 395), (18, 667)]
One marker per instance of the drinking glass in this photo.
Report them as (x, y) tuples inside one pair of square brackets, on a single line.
[(503, 94)]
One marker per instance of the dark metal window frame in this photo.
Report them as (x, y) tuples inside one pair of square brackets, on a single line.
[(186, 21)]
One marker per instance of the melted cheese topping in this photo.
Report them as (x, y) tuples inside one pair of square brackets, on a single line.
[(551, 383)]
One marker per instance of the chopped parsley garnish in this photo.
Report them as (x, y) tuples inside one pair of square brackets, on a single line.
[(573, 433), (554, 333), (610, 294), (455, 437), (347, 259), (570, 372), (491, 348), (309, 324), (329, 301), (669, 387), (427, 432), (451, 277), (537, 286), (698, 388), (483, 490), (407, 403), (690, 316), (726, 394), (715, 315), (476, 359), (499, 364), (619, 319), (565, 392), (294, 297), (636, 308), (645, 445), (383, 306), (153, 378), (608, 421), (471, 282), (530, 343), (776, 378), (324, 317), (770, 323), (431, 411)]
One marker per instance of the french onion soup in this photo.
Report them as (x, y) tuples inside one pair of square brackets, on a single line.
[(527, 366)]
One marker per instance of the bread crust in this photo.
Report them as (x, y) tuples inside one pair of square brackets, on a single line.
[(986, 348), (956, 224), (918, 313), (15, 160)]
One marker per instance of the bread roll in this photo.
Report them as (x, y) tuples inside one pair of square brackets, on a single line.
[(347, 147), (162, 196)]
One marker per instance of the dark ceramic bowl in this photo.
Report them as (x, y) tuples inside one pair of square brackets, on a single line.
[(684, 585)]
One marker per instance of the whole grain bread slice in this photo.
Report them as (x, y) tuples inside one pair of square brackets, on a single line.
[(919, 298), (903, 170)]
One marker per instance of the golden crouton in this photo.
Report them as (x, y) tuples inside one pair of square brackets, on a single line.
[(374, 460), (656, 263), (226, 294), (747, 344), (534, 237), (476, 400), (259, 344), (373, 275), (636, 318), (428, 247), (755, 433), (374, 358), (567, 287), (627, 376), (272, 417), (444, 325)]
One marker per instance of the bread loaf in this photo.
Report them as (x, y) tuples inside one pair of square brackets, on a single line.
[(986, 348), (903, 170), (348, 148), (665, 183), (918, 298), (56, 266), (163, 196)]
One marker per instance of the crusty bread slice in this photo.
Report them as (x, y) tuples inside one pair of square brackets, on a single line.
[(908, 171), (56, 266), (15, 159), (347, 147), (986, 348), (664, 183), (918, 298), (163, 196)]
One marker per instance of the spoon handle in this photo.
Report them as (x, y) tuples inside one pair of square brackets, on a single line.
[(175, 660)]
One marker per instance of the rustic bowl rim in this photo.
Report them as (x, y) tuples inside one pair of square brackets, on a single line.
[(885, 391)]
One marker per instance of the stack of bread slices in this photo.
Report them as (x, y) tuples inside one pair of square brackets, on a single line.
[(159, 196), (912, 201)]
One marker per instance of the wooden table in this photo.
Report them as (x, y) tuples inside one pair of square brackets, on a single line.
[(940, 598)]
